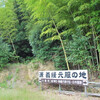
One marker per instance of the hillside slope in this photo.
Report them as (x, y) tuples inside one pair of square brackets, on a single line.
[(20, 77)]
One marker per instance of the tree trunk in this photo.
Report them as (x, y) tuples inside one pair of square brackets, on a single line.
[(13, 45), (91, 55), (93, 31)]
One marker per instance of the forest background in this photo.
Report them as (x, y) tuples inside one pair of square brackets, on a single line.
[(66, 32)]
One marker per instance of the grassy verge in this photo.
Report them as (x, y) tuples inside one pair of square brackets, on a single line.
[(23, 94), (19, 94)]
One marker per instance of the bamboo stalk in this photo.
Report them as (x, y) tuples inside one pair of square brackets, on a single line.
[(65, 54)]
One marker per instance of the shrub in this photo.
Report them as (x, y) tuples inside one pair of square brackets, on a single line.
[(36, 82), (36, 66), (5, 54), (3, 84), (29, 83), (9, 77)]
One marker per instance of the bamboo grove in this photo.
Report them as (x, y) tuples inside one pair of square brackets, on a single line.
[(66, 32)]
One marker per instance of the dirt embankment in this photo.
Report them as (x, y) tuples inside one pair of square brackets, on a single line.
[(23, 75), (3, 74), (33, 69)]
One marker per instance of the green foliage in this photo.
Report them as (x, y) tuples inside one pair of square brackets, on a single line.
[(29, 83), (9, 77), (8, 21), (3, 84), (2, 4), (40, 49), (36, 82), (23, 49), (35, 60), (72, 19), (17, 70), (58, 58), (5, 54), (99, 77), (53, 30), (78, 50), (36, 66)]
